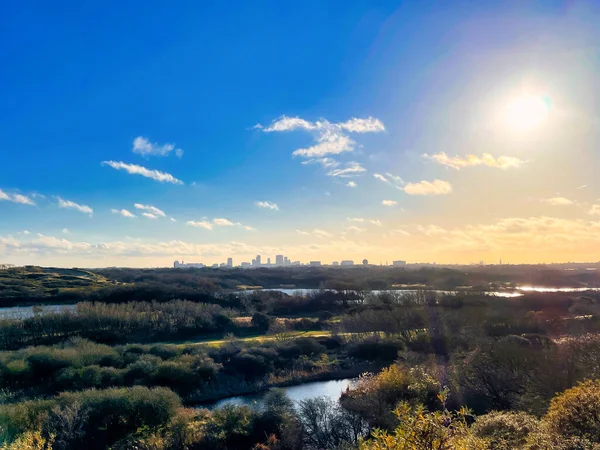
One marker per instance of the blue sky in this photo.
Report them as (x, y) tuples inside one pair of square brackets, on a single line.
[(428, 136)]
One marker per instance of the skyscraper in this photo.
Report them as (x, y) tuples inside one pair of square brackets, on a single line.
[(258, 263), (229, 262), (279, 260)]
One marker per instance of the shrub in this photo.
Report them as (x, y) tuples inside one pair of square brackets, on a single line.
[(576, 412), (505, 430)]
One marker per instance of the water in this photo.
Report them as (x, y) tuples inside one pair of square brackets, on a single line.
[(304, 292), (516, 292), (25, 312), (332, 389)]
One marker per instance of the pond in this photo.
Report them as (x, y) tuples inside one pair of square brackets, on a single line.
[(332, 389), (25, 312)]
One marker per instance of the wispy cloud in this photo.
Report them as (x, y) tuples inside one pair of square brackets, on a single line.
[(222, 222), (316, 232), (218, 222), (122, 212), (72, 205), (400, 231), (458, 162), (375, 222), (200, 224), (172, 219), (16, 198), (150, 215), (352, 169), (558, 201), (594, 210), (351, 184), (267, 205), (355, 229), (66, 231), (143, 146), (134, 169), (389, 202), (331, 138), (435, 187), (151, 209), (389, 178), (324, 162), (582, 186)]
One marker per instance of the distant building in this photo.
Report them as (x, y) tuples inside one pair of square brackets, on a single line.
[(268, 261), (398, 263), (347, 263), (183, 265), (215, 266), (256, 261), (279, 261), (246, 265), (229, 262), (315, 263), (335, 263)]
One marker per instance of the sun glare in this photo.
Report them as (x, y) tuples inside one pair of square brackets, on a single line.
[(526, 112)]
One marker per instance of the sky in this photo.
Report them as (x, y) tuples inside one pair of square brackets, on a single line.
[(139, 133)]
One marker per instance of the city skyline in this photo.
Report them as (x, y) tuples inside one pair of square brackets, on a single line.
[(376, 132)]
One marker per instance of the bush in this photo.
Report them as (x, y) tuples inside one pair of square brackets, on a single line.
[(505, 430), (576, 412), (91, 419), (376, 349)]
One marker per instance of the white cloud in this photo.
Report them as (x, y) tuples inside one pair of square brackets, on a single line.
[(381, 177), (355, 219), (583, 186), (324, 162), (223, 222), (351, 184), (331, 138), (287, 124), (72, 205), (149, 215), (457, 162), (122, 212), (316, 232), (355, 229), (389, 202), (375, 222), (16, 198), (330, 143), (396, 178), (321, 233), (400, 231), (432, 230), (151, 209), (172, 219), (201, 224), (435, 187), (219, 222), (558, 201), (143, 146), (352, 169), (134, 169), (26, 232), (368, 125), (66, 231), (267, 205)]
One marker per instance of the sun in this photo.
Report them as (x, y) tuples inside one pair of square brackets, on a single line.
[(526, 112)]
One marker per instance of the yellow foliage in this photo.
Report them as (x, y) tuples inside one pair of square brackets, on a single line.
[(31, 440)]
